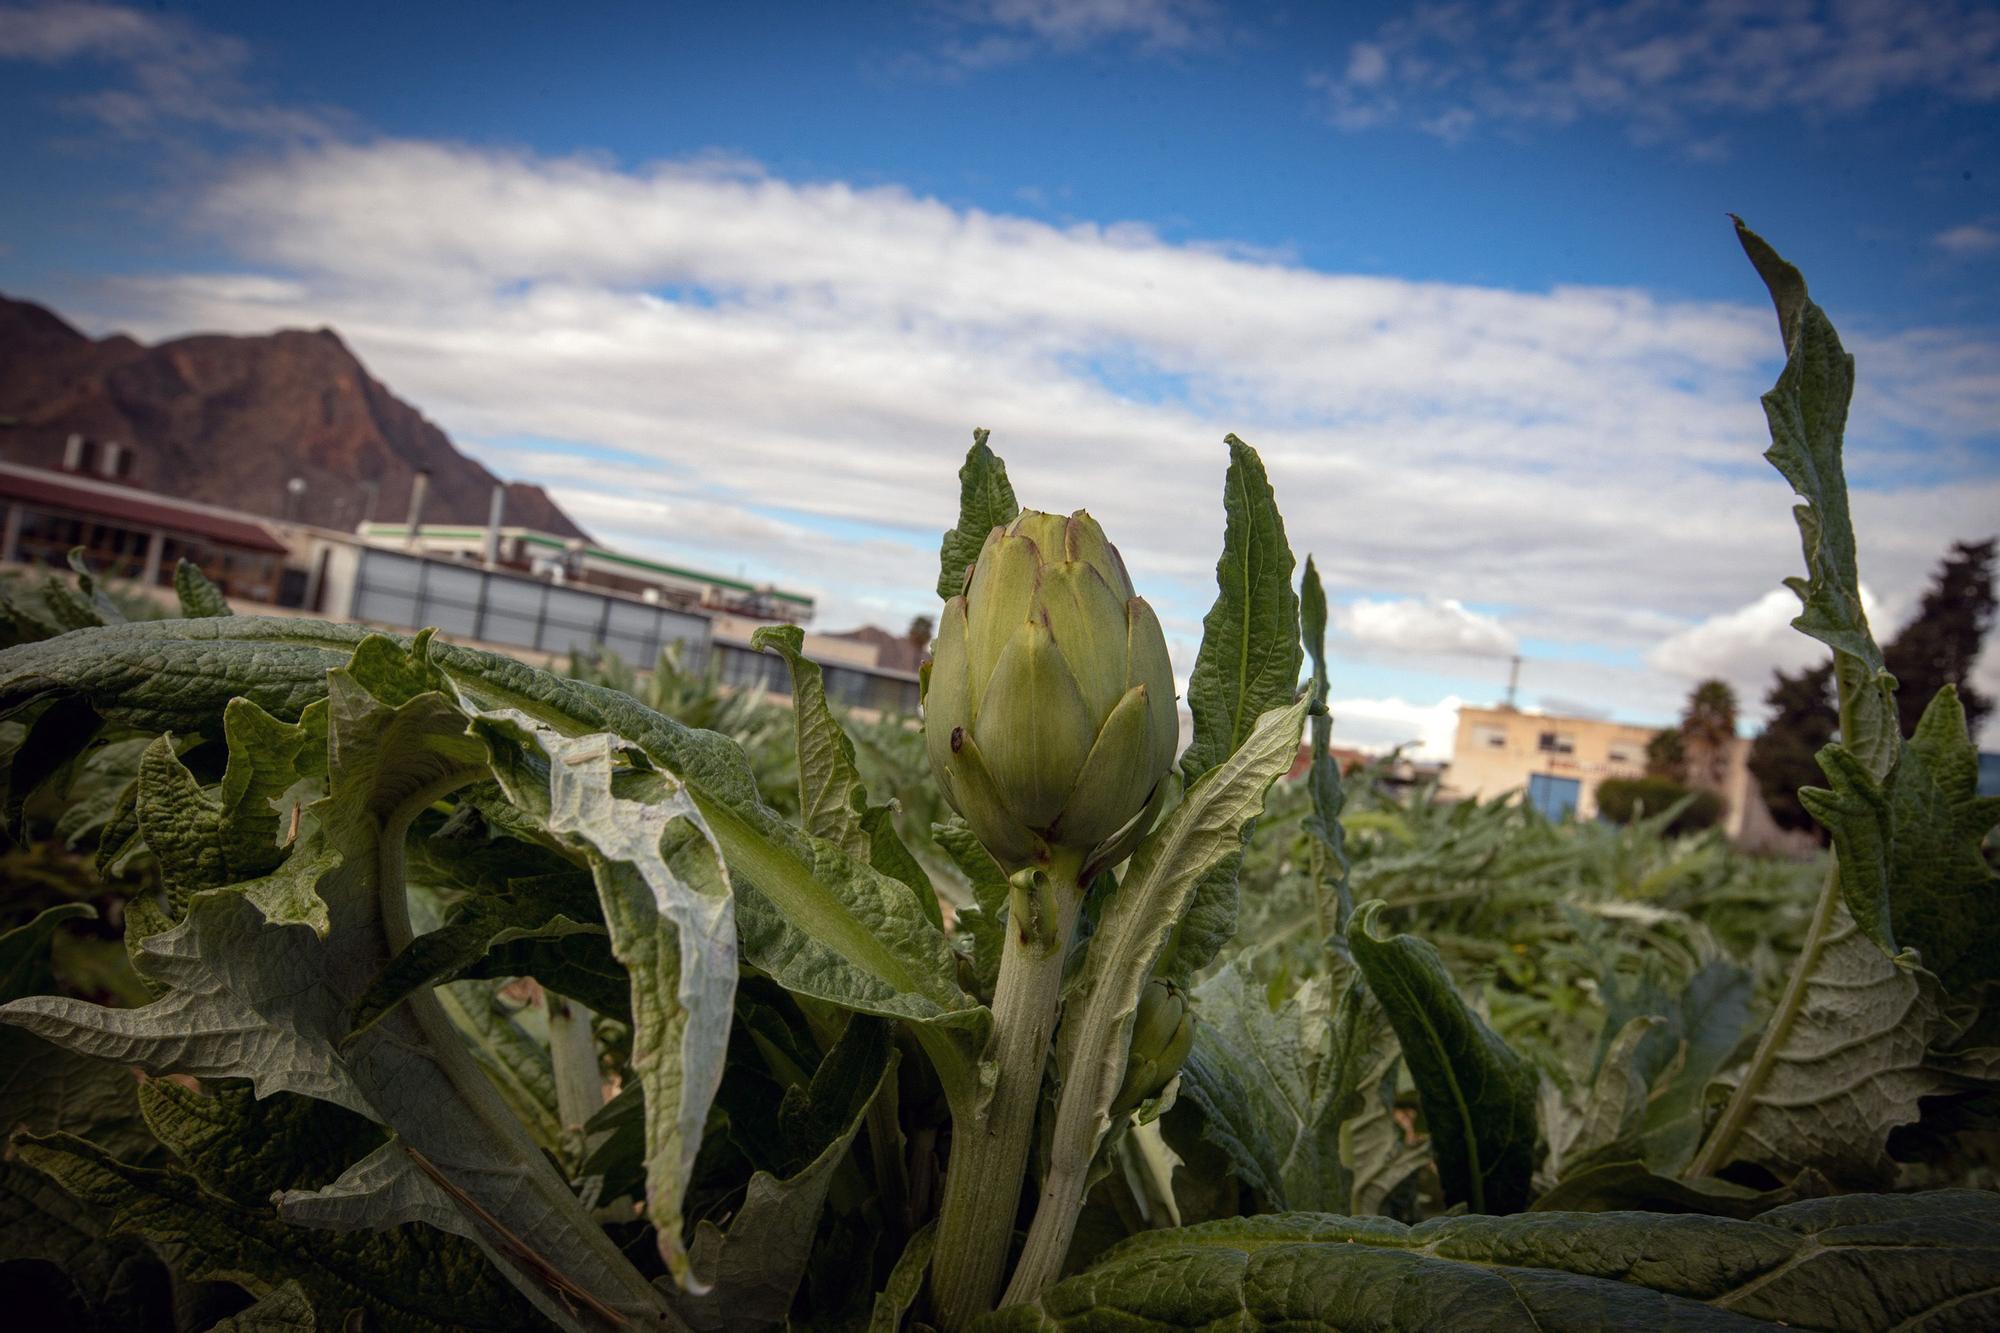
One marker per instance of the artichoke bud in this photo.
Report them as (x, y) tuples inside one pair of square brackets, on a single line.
[(1049, 715), (1162, 1035)]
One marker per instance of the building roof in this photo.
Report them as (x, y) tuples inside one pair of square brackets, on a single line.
[(123, 504), (1505, 712), (554, 543)]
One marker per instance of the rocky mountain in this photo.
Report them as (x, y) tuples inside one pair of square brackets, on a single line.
[(230, 421)]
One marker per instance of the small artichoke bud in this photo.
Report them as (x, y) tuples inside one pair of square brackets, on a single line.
[(1162, 1035), (1049, 715)]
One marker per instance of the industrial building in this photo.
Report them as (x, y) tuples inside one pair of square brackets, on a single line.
[(526, 593)]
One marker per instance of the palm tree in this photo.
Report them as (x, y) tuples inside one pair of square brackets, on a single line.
[(1708, 734)]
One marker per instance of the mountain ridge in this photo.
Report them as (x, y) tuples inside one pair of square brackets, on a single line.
[(230, 419)]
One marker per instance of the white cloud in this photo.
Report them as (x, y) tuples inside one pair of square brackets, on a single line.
[(1971, 239), (1425, 625), (1584, 457), (1170, 24), (173, 72), (1377, 725), (1660, 66), (1745, 645), (984, 34)]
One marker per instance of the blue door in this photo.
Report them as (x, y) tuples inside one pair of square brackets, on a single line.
[(1553, 796)]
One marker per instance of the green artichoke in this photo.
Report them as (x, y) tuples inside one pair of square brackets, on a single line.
[(1049, 712), (1162, 1036)]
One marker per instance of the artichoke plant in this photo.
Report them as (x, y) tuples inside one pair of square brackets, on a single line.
[(1049, 714), (1162, 1036)]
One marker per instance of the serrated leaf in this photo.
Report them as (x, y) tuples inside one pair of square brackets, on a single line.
[(99, 1284), (906, 1280), (1250, 653), (181, 825), (120, 841), (1911, 868), (251, 999), (808, 913), (833, 799), (92, 589), (203, 842), (24, 950), (986, 501), (411, 1279), (242, 1147), (1331, 865), (1686, 1040), (515, 1059), (667, 901), (45, 1089), (1859, 1264), (1706, 1027), (178, 675), (752, 1272), (1275, 1087), (104, 781), (1807, 414), (198, 597), (1614, 1104), (70, 609), (60, 728), (274, 767), (283, 1309), (1632, 1186), (1205, 829), (1848, 1066), (477, 941), (1478, 1096), (1248, 664)]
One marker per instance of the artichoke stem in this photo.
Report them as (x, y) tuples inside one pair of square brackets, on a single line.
[(989, 1152)]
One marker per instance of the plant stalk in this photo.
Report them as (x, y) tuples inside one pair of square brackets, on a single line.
[(989, 1151)]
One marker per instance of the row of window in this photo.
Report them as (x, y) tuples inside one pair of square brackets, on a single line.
[(393, 589), (119, 553), (1485, 736), (746, 668), (400, 590)]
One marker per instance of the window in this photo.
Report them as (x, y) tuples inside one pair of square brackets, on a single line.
[(1486, 737), (1624, 752), (1556, 742)]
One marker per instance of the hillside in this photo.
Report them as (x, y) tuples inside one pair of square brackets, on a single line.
[(230, 420)]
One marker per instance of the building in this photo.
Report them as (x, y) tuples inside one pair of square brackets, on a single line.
[(579, 563), (128, 534), (1556, 762), (540, 610), (541, 613)]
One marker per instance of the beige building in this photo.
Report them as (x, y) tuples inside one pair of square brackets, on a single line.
[(1556, 762)]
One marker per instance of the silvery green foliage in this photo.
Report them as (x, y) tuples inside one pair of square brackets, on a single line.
[(1903, 933), (1855, 1264)]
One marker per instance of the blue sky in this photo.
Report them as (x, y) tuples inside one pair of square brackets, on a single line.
[(736, 281)]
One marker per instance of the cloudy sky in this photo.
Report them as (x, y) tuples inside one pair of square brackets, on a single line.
[(736, 283)]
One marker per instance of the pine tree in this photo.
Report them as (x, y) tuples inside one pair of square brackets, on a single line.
[(1940, 645)]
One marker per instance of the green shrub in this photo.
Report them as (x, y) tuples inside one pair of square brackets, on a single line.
[(1622, 800)]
